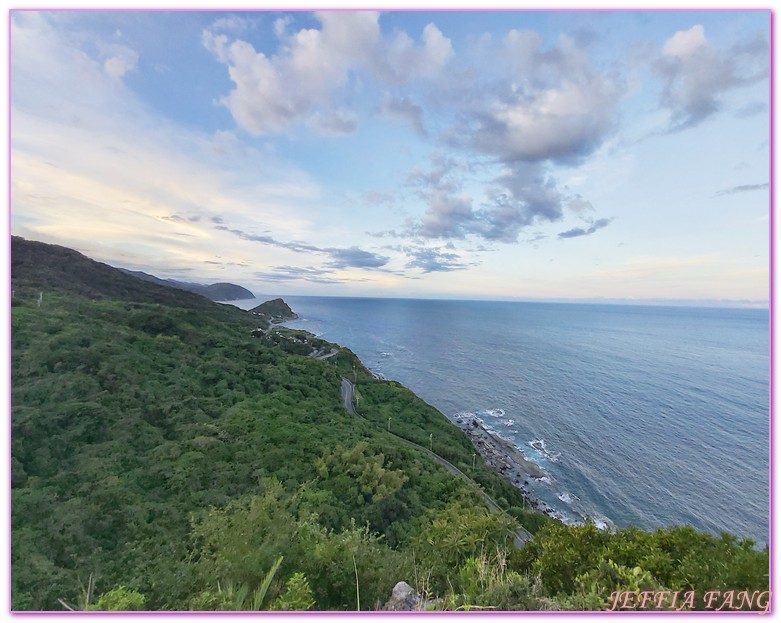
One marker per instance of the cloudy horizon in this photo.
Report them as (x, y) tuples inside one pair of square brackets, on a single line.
[(620, 155)]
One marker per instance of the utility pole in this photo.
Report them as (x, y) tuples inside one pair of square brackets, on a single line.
[(40, 299), (431, 442), (474, 454), (389, 419)]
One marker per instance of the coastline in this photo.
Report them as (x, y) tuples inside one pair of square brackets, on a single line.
[(507, 460), (502, 456), (583, 488)]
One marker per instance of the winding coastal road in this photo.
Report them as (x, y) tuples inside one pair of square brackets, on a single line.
[(348, 398)]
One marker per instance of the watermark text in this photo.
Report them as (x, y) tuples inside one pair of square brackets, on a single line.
[(687, 600)]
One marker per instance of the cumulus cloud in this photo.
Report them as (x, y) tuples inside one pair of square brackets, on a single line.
[(118, 60), (402, 59), (445, 173), (338, 122), (406, 109), (272, 93), (449, 212), (538, 107), (580, 231), (532, 191), (447, 215), (697, 75), (521, 195), (579, 205), (554, 107)]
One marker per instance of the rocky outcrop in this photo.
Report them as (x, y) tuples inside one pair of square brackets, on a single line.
[(406, 598)]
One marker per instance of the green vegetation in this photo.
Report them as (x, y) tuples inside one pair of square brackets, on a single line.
[(167, 455), (275, 311)]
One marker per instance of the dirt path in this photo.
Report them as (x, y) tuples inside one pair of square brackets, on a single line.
[(348, 398)]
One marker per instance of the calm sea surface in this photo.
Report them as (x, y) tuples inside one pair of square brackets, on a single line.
[(649, 416)]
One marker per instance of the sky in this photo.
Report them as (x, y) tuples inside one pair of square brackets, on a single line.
[(528, 155)]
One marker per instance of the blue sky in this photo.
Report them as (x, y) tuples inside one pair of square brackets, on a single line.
[(500, 155)]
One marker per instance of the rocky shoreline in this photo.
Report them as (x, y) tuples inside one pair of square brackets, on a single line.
[(499, 454), (506, 459)]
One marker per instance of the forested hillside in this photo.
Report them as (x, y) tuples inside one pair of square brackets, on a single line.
[(170, 453)]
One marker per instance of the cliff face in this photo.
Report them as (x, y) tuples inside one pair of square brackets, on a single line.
[(275, 311)]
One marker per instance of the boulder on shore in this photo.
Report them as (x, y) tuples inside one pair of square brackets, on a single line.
[(404, 597)]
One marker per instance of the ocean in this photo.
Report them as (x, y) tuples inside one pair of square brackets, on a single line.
[(649, 416)]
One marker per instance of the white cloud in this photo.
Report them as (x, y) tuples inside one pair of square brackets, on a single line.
[(232, 23), (304, 77), (118, 60), (273, 93), (339, 122), (566, 121), (94, 168), (686, 43), (553, 106), (404, 108), (697, 75), (281, 24), (401, 60)]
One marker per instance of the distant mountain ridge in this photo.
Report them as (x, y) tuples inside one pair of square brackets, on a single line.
[(214, 291), (41, 267)]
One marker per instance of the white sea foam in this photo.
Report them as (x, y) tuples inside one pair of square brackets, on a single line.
[(539, 445), (494, 412), (567, 498), (602, 522)]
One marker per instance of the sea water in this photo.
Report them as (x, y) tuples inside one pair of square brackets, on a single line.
[(650, 416)]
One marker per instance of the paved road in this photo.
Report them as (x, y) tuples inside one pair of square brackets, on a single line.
[(348, 398), (322, 356)]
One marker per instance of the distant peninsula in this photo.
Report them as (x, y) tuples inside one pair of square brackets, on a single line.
[(274, 311), (214, 291)]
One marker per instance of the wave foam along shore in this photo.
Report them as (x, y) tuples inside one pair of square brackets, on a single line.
[(500, 454), (506, 459)]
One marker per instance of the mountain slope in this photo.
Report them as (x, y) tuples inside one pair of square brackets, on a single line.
[(44, 267), (137, 408)]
